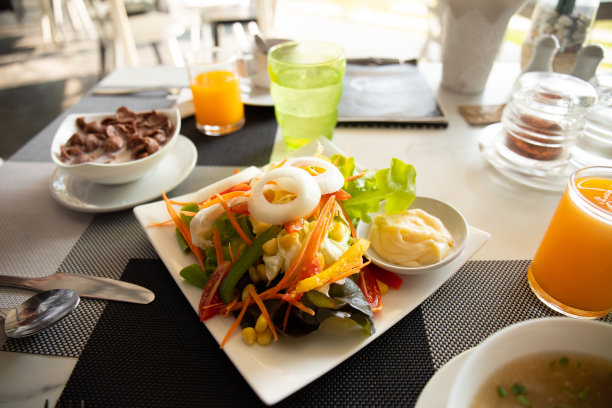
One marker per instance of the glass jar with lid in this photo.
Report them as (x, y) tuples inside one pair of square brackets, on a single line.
[(568, 20), (594, 144), (542, 121)]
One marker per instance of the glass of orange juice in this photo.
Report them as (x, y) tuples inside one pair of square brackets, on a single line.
[(215, 85), (571, 271)]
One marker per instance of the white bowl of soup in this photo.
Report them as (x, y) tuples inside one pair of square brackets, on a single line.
[(559, 360)]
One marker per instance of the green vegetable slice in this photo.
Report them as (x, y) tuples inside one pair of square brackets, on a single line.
[(248, 258), (195, 275), (183, 245), (191, 207)]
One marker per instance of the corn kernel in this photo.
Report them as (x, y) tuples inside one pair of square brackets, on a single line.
[(259, 227), (249, 335), (261, 324), (265, 337), (383, 287), (253, 274), (245, 291), (289, 240), (261, 272), (338, 232), (270, 246)]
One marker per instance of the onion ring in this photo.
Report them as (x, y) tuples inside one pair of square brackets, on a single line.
[(329, 181), (307, 198), (202, 224)]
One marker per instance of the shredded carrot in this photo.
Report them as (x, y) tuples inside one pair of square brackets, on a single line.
[(286, 319), (355, 176), (188, 213), (263, 309), (226, 310), (161, 224), (232, 219), (336, 160), (236, 171), (314, 239), (218, 247), (229, 246), (281, 164), (237, 187), (294, 302), (181, 203), (323, 224), (245, 306), (348, 219), (351, 271), (184, 230), (214, 200), (315, 235)]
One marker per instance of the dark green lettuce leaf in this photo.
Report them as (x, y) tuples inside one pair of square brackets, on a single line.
[(345, 301)]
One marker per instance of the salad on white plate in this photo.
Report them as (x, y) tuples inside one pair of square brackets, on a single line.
[(277, 371), (277, 248)]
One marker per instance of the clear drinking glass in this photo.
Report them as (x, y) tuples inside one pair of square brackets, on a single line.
[(306, 86), (215, 84), (571, 271)]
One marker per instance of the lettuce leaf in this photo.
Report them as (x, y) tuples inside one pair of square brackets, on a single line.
[(396, 186), (345, 301)]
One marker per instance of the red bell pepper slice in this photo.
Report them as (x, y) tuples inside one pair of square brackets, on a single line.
[(385, 276), (368, 285), (294, 226), (240, 208), (210, 293)]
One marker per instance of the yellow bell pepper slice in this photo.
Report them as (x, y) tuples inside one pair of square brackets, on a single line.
[(351, 258)]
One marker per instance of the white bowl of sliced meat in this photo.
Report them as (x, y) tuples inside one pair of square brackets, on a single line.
[(117, 147)]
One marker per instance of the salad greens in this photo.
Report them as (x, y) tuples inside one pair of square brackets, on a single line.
[(396, 186), (344, 301), (343, 298)]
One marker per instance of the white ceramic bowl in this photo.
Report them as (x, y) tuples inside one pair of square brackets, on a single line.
[(452, 219), (111, 173), (567, 334)]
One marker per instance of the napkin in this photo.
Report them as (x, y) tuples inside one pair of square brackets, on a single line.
[(184, 103)]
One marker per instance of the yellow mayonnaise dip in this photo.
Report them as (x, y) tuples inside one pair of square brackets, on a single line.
[(411, 238)]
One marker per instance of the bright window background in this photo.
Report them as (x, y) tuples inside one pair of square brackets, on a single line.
[(396, 28)]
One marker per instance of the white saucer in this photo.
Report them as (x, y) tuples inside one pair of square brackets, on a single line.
[(82, 195), (486, 144), (438, 388), (255, 96)]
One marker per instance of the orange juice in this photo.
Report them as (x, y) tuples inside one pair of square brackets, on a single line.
[(216, 99), (572, 269)]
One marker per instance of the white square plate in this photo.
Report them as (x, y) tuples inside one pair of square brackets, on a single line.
[(280, 369)]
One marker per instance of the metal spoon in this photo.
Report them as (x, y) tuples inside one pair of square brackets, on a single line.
[(38, 312)]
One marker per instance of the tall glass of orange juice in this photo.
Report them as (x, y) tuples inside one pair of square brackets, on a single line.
[(571, 271), (215, 85)]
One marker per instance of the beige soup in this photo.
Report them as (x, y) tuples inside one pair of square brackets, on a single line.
[(549, 380)]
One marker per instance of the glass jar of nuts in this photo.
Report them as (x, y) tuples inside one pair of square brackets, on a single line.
[(568, 20)]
